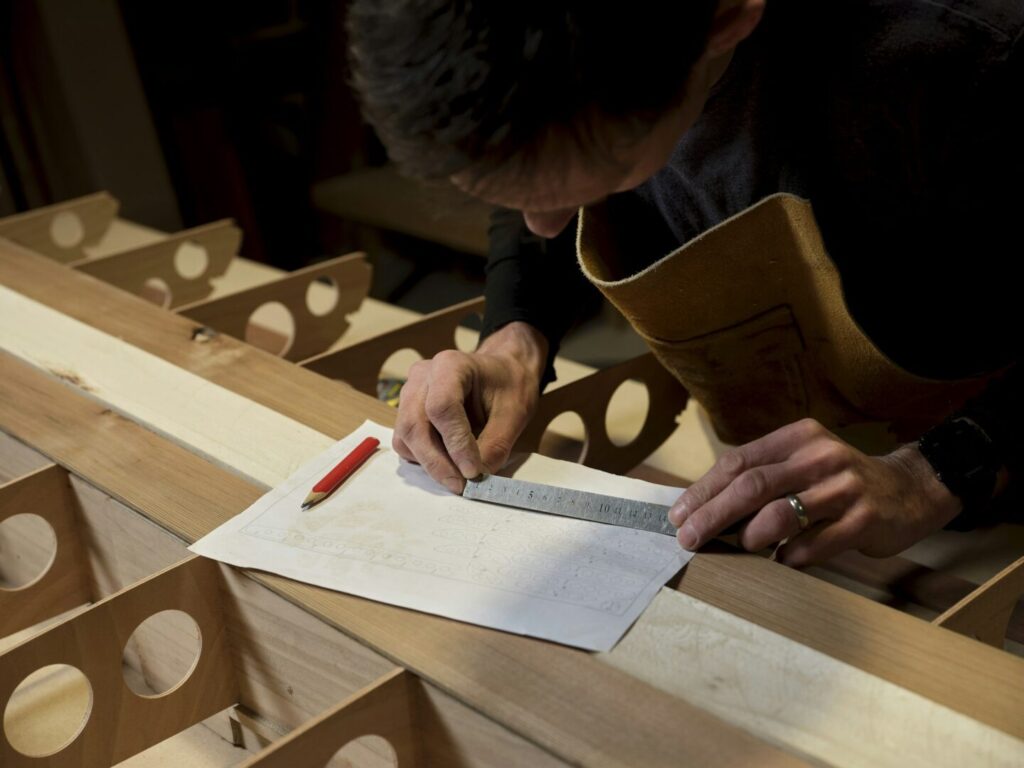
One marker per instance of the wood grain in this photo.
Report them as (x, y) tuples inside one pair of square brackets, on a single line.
[(386, 708), (131, 270), (121, 723), (560, 699), (360, 364), (950, 669), (813, 702), (985, 613), (313, 333), (64, 584), (87, 217)]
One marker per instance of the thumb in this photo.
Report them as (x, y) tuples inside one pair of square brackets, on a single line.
[(499, 435)]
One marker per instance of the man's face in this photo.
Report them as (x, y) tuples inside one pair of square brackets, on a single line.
[(566, 178)]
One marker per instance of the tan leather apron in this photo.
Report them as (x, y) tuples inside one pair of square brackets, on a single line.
[(750, 317)]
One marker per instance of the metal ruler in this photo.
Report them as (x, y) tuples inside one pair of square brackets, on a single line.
[(596, 507)]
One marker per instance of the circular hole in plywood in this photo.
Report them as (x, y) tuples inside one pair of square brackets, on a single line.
[(398, 364), (565, 438), (468, 333), (271, 327), (28, 547), (191, 260), (67, 230), (48, 710), (156, 291), (627, 412), (161, 653), (366, 750), (322, 296)]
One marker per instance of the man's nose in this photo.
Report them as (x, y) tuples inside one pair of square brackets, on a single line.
[(550, 223)]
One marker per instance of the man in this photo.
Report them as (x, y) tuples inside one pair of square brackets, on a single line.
[(874, 294)]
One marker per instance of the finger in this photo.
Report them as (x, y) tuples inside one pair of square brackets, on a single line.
[(744, 496), (818, 543), (773, 448), (445, 407), (499, 435), (416, 440)]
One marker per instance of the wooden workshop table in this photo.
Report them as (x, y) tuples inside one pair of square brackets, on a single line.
[(135, 432)]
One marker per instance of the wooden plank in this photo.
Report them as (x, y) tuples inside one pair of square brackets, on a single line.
[(360, 364), (590, 398), (820, 706), (135, 270), (63, 583), (962, 674), (985, 613), (64, 230), (560, 699), (290, 666), (121, 723), (313, 332), (386, 708)]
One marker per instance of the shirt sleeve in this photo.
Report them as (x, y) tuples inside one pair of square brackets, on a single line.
[(533, 280)]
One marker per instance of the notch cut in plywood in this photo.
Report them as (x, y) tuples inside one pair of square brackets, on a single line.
[(174, 271), (314, 330)]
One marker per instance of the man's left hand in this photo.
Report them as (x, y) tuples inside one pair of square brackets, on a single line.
[(878, 505)]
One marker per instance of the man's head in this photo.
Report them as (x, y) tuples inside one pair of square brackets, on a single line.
[(539, 105)]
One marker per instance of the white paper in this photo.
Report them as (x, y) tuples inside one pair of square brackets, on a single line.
[(390, 533)]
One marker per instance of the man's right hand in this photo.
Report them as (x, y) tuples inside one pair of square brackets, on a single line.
[(460, 414)]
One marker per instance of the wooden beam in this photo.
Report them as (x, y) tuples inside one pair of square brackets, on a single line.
[(313, 333), (136, 270), (387, 708), (359, 365), (985, 613), (817, 705), (560, 699), (64, 230), (964, 675), (63, 582), (119, 722)]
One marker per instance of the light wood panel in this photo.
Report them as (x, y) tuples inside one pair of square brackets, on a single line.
[(64, 583), (818, 705), (77, 224), (121, 723), (387, 708), (313, 332), (560, 699), (590, 398), (132, 270), (360, 364), (290, 666), (952, 670), (985, 613)]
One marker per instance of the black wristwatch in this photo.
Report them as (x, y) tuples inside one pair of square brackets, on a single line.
[(965, 460)]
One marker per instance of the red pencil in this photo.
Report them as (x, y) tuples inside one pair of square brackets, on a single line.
[(340, 473)]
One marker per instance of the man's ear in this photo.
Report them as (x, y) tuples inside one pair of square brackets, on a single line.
[(733, 23)]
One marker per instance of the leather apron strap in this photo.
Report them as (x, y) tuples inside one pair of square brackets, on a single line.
[(750, 317)]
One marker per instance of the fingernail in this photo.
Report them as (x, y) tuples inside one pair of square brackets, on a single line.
[(676, 515), (454, 484), (688, 536), (469, 470)]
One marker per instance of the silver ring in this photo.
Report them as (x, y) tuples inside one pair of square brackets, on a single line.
[(801, 512)]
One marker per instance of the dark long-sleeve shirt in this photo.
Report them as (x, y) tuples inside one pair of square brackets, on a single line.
[(902, 121)]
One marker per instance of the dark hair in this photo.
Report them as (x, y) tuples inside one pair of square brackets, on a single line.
[(476, 84)]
